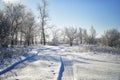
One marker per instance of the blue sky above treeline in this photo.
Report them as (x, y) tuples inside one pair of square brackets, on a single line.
[(102, 14)]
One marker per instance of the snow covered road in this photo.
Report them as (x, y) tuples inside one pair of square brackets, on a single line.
[(65, 63), (68, 67)]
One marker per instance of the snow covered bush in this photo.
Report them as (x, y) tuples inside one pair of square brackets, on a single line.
[(102, 49)]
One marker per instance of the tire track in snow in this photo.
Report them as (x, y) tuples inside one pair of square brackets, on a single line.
[(61, 70), (68, 70), (15, 64)]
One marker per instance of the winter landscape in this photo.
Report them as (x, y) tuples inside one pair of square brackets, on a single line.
[(39, 40), (63, 63)]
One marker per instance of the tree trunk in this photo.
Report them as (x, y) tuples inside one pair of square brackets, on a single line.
[(43, 34), (21, 37), (71, 42), (41, 38), (16, 41), (81, 41), (44, 39), (12, 40)]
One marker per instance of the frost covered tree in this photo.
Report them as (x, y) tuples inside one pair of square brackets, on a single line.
[(55, 35), (71, 34), (85, 36), (80, 35), (4, 30), (43, 16), (14, 12), (22, 28), (29, 28), (111, 38), (92, 36)]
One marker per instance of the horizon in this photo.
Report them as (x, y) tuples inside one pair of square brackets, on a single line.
[(101, 14)]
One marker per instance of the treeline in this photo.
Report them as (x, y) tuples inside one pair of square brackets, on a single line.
[(75, 35), (110, 37), (80, 36), (18, 26)]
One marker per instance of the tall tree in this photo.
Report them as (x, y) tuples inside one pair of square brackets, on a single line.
[(43, 11), (29, 28)]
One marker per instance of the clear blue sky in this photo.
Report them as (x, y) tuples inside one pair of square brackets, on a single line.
[(102, 14)]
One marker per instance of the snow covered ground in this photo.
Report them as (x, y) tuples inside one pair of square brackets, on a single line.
[(73, 63)]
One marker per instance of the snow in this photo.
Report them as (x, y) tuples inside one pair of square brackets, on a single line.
[(41, 70), (61, 70), (65, 63)]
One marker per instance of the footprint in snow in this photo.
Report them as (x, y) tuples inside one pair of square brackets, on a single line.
[(54, 73), (52, 70), (49, 65)]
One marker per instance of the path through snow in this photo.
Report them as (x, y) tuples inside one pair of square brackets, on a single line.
[(73, 65), (68, 72)]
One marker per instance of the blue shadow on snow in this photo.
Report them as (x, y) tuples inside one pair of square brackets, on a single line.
[(61, 70), (15, 64)]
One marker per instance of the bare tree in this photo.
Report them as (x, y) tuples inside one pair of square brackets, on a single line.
[(29, 28), (92, 36), (55, 35), (71, 34), (85, 36), (35, 32), (43, 11), (111, 38), (63, 36), (80, 35)]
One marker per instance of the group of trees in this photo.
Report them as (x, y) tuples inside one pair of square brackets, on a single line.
[(111, 38), (80, 35), (18, 25), (73, 35)]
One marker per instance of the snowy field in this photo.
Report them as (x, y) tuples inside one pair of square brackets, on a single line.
[(65, 63)]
